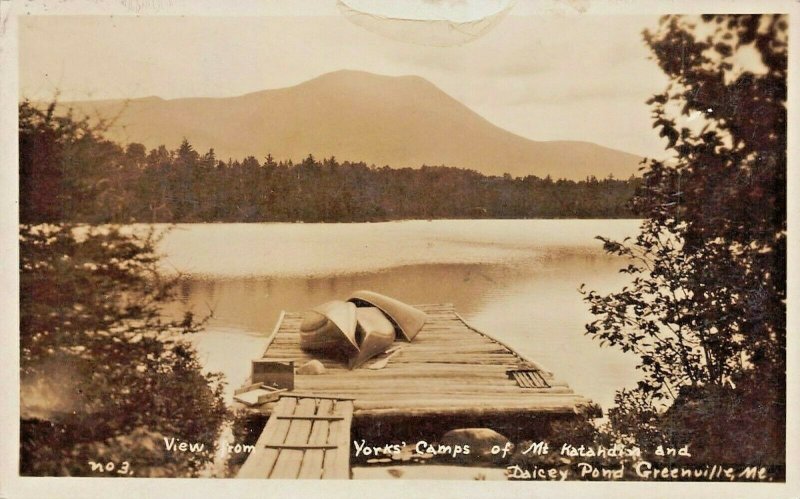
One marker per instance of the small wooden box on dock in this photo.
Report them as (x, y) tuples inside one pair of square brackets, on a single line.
[(277, 374)]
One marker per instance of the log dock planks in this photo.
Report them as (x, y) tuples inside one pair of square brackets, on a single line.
[(305, 437), (449, 369)]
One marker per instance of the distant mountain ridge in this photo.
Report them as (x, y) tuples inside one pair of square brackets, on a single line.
[(403, 121)]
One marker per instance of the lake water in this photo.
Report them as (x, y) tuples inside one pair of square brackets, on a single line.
[(515, 279)]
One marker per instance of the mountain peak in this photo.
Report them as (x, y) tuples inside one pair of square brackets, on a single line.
[(400, 121), (360, 74), (358, 77)]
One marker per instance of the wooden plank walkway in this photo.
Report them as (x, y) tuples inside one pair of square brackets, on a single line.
[(305, 437), (449, 369)]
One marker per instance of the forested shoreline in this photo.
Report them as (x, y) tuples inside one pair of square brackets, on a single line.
[(70, 173)]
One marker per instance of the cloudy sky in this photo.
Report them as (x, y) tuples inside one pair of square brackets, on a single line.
[(577, 77)]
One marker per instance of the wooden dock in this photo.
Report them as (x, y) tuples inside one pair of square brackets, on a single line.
[(450, 369), (305, 437), (451, 375)]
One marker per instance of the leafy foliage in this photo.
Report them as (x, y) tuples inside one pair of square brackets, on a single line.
[(98, 363), (705, 311), (68, 172), (103, 376)]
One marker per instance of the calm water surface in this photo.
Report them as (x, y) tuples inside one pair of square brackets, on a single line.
[(514, 279)]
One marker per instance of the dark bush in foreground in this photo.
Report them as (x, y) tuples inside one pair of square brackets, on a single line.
[(103, 378)]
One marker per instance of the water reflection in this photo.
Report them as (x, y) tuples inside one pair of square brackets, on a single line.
[(255, 303)]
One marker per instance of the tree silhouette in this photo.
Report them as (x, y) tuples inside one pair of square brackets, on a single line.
[(705, 310), (103, 376)]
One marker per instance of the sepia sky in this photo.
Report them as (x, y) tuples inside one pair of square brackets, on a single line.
[(542, 77)]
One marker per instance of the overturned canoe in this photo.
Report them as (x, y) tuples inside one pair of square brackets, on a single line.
[(330, 328), (407, 319), (374, 334)]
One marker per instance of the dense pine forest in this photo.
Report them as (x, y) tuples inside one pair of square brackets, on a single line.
[(70, 173)]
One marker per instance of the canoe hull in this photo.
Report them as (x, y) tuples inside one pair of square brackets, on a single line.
[(330, 329), (374, 333), (407, 320)]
